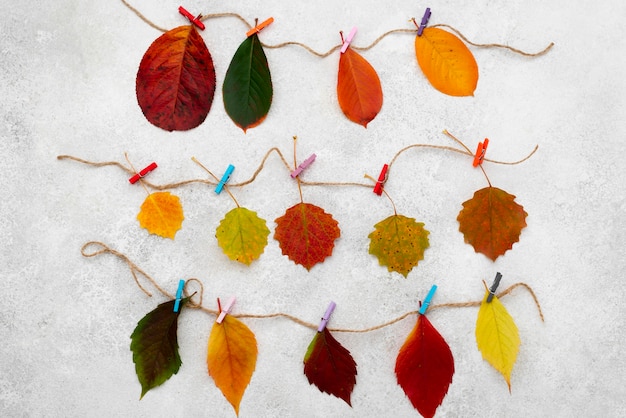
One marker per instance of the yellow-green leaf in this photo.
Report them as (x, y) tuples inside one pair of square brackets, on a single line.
[(497, 336), (161, 214), (242, 235), (399, 243)]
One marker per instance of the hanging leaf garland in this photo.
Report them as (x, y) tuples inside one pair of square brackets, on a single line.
[(497, 336), (424, 367), (399, 243), (154, 344), (176, 80), (242, 235), (247, 88), (446, 62), (306, 234), (491, 221), (161, 214), (359, 91), (231, 358), (329, 366)]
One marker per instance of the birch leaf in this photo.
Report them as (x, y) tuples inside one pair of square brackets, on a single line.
[(161, 214), (242, 235)]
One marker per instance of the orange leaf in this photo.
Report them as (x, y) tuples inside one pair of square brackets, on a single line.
[(446, 62), (176, 80), (306, 234), (161, 214), (358, 88), (231, 358), (491, 221)]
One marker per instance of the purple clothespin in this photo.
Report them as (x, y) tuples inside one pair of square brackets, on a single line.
[(348, 39), (426, 302), (424, 22), (179, 295), (295, 173), (326, 317), (494, 286), (226, 310)]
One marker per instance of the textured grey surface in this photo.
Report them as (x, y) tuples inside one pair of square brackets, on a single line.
[(67, 87)]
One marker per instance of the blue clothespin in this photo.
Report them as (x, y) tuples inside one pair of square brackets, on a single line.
[(225, 178), (424, 22), (426, 302), (179, 295), (494, 286)]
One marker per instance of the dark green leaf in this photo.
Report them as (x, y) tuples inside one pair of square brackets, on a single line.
[(154, 344), (247, 88)]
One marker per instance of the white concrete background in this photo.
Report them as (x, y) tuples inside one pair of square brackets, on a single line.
[(67, 86)]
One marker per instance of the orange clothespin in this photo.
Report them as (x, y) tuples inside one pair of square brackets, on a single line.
[(480, 152), (259, 27)]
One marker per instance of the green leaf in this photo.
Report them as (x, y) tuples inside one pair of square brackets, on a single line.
[(154, 344), (242, 235), (399, 243), (247, 88)]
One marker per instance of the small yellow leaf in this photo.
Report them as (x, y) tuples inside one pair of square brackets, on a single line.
[(242, 235), (161, 214), (446, 62), (231, 358), (497, 336)]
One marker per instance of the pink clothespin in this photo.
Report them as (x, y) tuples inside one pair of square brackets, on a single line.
[(226, 310), (134, 179), (348, 39), (295, 173), (480, 152), (259, 27), (326, 317), (382, 178), (195, 20)]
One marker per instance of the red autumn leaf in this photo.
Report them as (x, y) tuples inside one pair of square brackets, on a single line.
[(329, 366), (425, 367), (491, 221), (176, 80), (358, 88), (306, 234)]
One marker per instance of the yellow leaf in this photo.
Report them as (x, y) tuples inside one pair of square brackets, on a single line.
[(161, 214), (446, 62), (242, 235), (231, 358), (497, 336)]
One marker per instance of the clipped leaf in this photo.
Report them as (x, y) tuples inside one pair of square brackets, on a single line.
[(242, 235), (358, 88), (306, 234), (176, 80), (399, 243), (491, 221), (497, 336), (425, 367), (446, 62), (161, 214), (329, 366), (231, 358), (247, 88), (154, 344)]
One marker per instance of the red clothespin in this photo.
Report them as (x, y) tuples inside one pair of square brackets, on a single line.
[(134, 179), (346, 42), (195, 20), (480, 152), (295, 173), (382, 178), (259, 27)]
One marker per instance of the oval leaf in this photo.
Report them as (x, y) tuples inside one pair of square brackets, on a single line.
[(399, 243), (176, 80), (161, 214), (306, 234), (446, 62), (247, 88), (358, 88), (154, 344), (425, 367), (242, 235), (329, 366), (231, 358), (491, 221), (497, 336)]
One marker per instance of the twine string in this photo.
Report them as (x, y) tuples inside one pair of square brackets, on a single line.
[(105, 249)]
